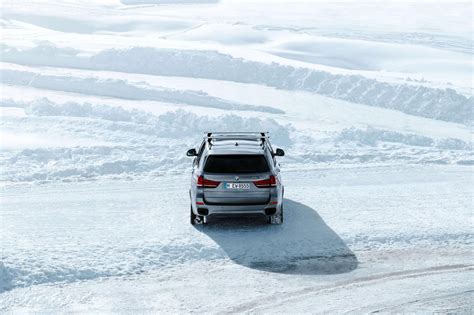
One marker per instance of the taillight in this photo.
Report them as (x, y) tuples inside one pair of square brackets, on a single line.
[(266, 183), (202, 182)]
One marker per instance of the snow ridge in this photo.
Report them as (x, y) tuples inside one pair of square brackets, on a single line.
[(134, 142), (441, 104), (123, 89), (169, 125), (131, 143), (371, 136)]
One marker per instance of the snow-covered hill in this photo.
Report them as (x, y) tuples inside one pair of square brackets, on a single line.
[(372, 103)]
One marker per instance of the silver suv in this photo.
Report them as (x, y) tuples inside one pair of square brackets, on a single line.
[(236, 173)]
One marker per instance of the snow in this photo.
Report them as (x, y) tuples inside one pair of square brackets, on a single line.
[(99, 236), (445, 104), (368, 55), (120, 89), (372, 136), (372, 104)]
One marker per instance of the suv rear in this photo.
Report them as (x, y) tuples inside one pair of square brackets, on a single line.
[(236, 174)]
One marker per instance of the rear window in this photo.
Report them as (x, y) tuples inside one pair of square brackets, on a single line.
[(236, 164)]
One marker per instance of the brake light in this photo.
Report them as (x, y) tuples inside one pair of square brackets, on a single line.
[(266, 183), (202, 182)]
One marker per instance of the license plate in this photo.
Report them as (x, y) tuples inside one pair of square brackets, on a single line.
[(237, 185)]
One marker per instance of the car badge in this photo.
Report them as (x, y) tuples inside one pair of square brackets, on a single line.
[(236, 178)]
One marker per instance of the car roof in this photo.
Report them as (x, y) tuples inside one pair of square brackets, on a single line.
[(236, 146)]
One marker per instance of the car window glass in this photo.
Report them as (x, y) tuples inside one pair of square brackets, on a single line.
[(236, 164)]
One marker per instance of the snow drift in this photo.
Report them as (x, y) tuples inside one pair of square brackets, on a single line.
[(372, 136), (131, 143), (136, 142), (122, 89), (442, 104)]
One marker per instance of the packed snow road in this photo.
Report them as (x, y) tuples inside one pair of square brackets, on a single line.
[(356, 239)]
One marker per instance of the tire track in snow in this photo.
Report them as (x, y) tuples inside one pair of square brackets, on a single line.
[(269, 301), (399, 307)]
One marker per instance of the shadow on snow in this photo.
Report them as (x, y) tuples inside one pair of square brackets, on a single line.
[(304, 244)]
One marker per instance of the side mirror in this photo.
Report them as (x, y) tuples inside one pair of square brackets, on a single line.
[(191, 152), (279, 152)]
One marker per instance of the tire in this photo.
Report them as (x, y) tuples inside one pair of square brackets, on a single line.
[(282, 213), (192, 216), (276, 219), (196, 219)]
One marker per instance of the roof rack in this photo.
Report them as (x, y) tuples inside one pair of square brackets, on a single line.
[(263, 136)]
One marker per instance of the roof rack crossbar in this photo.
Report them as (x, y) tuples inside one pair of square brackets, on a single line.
[(237, 136), (237, 132)]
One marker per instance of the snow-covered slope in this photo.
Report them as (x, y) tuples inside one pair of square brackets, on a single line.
[(99, 101)]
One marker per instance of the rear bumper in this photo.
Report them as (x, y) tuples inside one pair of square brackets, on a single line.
[(237, 209), (272, 206), (268, 209)]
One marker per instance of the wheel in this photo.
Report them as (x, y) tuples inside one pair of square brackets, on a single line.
[(277, 218), (192, 216), (196, 219), (281, 213)]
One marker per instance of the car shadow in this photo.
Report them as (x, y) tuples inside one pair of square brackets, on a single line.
[(304, 244)]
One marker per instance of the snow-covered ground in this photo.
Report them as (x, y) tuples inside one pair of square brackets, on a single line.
[(349, 235), (372, 104)]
